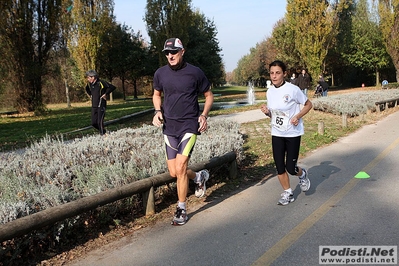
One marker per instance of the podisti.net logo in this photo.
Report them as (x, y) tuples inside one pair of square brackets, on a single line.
[(358, 255)]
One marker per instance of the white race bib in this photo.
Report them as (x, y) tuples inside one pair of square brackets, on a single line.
[(280, 120)]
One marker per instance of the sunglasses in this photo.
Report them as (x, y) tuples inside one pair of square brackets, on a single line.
[(167, 52)]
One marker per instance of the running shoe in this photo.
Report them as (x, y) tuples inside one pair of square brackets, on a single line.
[(286, 198), (304, 182), (200, 187), (180, 217)]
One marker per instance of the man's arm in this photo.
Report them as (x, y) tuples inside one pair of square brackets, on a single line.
[(203, 125), (110, 88), (208, 103), (157, 120), (88, 91)]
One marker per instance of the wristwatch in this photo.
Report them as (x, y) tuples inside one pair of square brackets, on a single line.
[(156, 111)]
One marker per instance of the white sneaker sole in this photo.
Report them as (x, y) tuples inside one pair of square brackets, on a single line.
[(286, 203)]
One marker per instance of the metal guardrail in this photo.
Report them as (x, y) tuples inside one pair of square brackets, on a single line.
[(146, 186)]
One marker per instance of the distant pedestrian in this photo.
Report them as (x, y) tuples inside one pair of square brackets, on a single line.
[(284, 102), (304, 81), (181, 119), (324, 85), (294, 79), (98, 90)]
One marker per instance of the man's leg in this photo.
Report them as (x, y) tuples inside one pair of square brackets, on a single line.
[(178, 151), (94, 117), (101, 116), (182, 177), (178, 168)]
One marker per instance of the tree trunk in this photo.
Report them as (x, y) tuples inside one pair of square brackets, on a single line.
[(135, 89), (123, 88), (37, 101), (377, 78), (67, 94)]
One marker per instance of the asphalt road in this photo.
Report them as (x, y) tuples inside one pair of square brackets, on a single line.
[(249, 228)]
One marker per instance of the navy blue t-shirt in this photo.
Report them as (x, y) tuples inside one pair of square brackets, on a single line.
[(180, 105)]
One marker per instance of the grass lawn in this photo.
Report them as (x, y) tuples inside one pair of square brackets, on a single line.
[(18, 131)]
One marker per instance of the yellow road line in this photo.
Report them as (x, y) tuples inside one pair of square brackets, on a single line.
[(275, 251)]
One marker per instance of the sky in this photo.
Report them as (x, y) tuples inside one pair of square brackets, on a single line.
[(240, 24)]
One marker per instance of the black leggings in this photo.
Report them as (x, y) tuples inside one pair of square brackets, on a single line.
[(285, 154)]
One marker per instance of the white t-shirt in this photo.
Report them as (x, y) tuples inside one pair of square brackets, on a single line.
[(285, 102)]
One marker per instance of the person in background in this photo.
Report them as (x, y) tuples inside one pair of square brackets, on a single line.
[(294, 79), (303, 81), (98, 90), (284, 102), (181, 119), (324, 85)]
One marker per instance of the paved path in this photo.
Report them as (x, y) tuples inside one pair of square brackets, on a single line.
[(243, 117), (249, 228)]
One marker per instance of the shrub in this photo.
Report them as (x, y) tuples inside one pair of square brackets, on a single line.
[(353, 104), (52, 172)]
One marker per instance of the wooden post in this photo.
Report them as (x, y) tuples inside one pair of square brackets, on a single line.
[(149, 201), (320, 128), (233, 169), (344, 120)]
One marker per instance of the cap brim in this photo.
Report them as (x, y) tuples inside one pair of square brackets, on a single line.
[(171, 49)]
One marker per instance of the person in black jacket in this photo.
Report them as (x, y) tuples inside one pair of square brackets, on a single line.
[(324, 85), (303, 81), (98, 91)]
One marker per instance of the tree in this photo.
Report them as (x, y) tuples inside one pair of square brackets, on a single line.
[(91, 18), (166, 19), (266, 52), (337, 65), (283, 38), (175, 18), (366, 50), (312, 22), (254, 66), (203, 48), (29, 30), (144, 60), (65, 61), (241, 74), (389, 25)]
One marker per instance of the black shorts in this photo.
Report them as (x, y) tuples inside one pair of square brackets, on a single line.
[(183, 145)]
